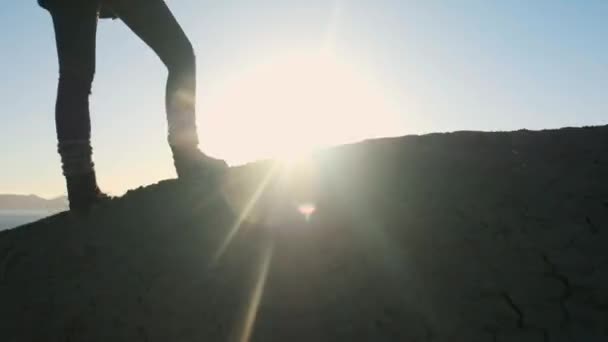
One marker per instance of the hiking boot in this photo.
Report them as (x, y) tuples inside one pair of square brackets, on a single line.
[(192, 164), (83, 193)]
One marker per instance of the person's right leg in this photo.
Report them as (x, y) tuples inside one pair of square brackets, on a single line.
[(75, 25)]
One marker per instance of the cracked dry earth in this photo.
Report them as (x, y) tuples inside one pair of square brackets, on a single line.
[(466, 236)]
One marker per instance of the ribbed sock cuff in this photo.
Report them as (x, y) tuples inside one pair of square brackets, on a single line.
[(76, 157), (182, 129)]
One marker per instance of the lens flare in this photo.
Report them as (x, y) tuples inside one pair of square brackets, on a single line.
[(307, 209)]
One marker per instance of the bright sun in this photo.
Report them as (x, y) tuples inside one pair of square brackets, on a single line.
[(290, 105)]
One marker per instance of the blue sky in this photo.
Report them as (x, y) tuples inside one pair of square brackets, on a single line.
[(446, 65)]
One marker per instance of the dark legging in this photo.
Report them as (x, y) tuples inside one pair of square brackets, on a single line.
[(75, 31)]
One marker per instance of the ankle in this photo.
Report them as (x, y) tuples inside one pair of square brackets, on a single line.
[(83, 190), (184, 149)]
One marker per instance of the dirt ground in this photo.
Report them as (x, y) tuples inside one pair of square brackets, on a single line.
[(466, 236)]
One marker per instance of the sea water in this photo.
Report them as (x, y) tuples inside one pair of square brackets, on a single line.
[(14, 218)]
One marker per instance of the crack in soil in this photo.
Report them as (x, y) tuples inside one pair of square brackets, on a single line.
[(566, 294), (593, 228), (515, 308), (10, 251)]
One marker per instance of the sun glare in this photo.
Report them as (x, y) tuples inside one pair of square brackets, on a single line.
[(290, 105)]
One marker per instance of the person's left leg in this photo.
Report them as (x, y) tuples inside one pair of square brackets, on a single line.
[(153, 22)]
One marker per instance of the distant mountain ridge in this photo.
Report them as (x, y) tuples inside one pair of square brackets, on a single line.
[(31, 202)]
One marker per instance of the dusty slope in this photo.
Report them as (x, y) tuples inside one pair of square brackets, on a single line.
[(446, 237)]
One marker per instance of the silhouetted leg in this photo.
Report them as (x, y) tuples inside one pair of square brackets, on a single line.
[(154, 23), (75, 30)]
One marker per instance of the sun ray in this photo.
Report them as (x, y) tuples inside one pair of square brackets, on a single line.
[(256, 295), (244, 214)]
